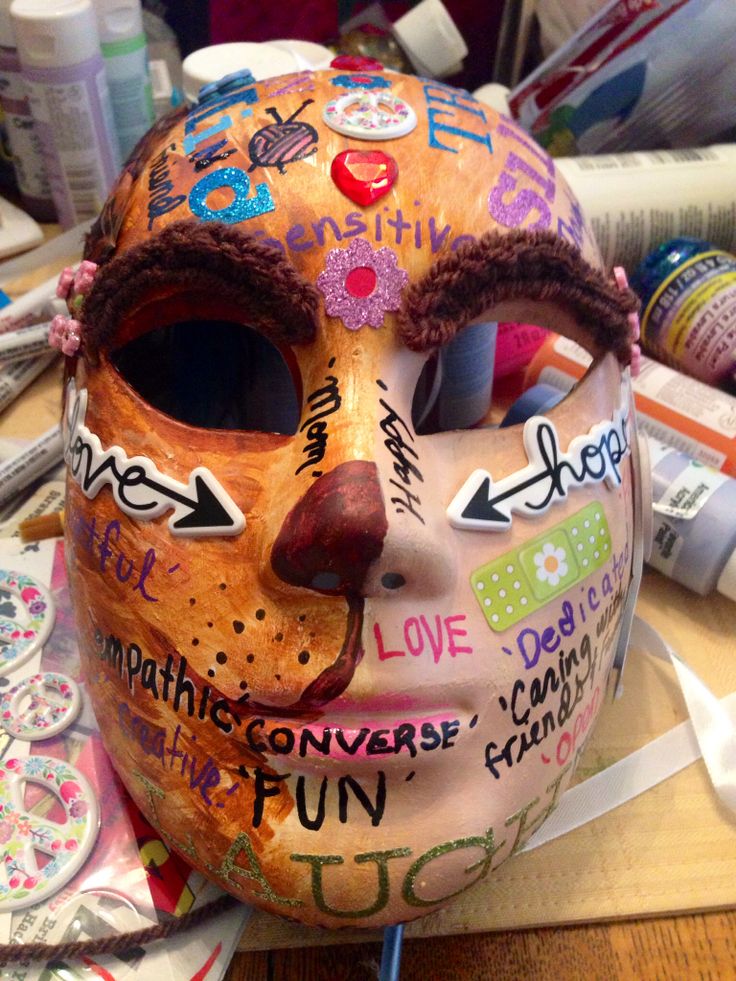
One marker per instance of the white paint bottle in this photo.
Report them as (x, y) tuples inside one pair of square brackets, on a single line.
[(124, 48), (30, 172), (59, 51), (694, 532)]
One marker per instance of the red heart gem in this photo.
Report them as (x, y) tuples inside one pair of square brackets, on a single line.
[(364, 175), (356, 63)]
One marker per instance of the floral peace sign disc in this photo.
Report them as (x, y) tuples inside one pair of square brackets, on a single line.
[(26, 618), (370, 115), (24, 835), (40, 706)]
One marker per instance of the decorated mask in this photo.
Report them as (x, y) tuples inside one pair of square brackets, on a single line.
[(345, 635)]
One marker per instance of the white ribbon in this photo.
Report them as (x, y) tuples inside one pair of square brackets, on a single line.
[(710, 733)]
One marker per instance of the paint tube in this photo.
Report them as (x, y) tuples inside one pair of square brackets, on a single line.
[(685, 413), (634, 201), (40, 303)]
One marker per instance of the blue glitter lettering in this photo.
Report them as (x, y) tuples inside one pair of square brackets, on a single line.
[(451, 97), (434, 127), (195, 117), (241, 208), (191, 142)]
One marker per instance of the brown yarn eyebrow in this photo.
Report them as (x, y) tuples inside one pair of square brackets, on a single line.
[(212, 258), (516, 265)]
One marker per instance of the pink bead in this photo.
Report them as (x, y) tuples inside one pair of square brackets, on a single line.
[(66, 279), (85, 277)]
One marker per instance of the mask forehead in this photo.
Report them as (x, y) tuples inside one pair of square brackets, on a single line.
[(237, 157), (358, 619)]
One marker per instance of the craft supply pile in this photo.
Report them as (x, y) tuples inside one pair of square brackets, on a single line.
[(373, 401)]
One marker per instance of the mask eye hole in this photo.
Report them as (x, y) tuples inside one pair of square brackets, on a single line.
[(215, 374), (491, 375)]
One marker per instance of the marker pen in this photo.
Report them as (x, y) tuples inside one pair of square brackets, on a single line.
[(30, 342), (40, 303), (17, 377), (41, 455)]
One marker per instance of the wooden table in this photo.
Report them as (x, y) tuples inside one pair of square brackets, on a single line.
[(673, 948), (647, 891)]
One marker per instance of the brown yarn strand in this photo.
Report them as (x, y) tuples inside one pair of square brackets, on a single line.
[(214, 258), (117, 944), (516, 265)]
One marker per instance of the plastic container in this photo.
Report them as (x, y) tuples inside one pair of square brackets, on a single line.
[(694, 531), (454, 391), (124, 48), (307, 54), (164, 62), (535, 401), (430, 39), (681, 411), (495, 95), (207, 65), (23, 141), (515, 345), (634, 201), (62, 65), (688, 293)]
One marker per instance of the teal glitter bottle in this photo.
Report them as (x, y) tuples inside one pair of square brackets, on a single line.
[(688, 291)]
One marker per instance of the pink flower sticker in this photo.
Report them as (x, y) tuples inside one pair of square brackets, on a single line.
[(361, 284), (65, 334)]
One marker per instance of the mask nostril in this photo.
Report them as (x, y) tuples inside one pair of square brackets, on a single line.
[(392, 580), (325, 580)]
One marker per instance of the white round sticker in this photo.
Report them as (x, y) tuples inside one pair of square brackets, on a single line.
[(40, 706), (26, 618), (370, 115), (24, 835)]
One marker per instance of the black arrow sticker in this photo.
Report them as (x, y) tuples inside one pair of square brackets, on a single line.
[(484, 505), (201, 507)]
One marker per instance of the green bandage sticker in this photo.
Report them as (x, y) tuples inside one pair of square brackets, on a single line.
[(526, 579)]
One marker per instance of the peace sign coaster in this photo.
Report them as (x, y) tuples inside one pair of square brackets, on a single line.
[(370, 115), (40, 706), (25, 836), (26, 618)]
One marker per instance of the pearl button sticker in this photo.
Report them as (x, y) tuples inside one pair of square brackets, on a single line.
[(26, 618), (40, 706), (24, 835)]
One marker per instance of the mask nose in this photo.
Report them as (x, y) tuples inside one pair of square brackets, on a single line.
[(331, 537)]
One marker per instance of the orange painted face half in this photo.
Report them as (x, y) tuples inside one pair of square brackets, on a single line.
[(346, 627)]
